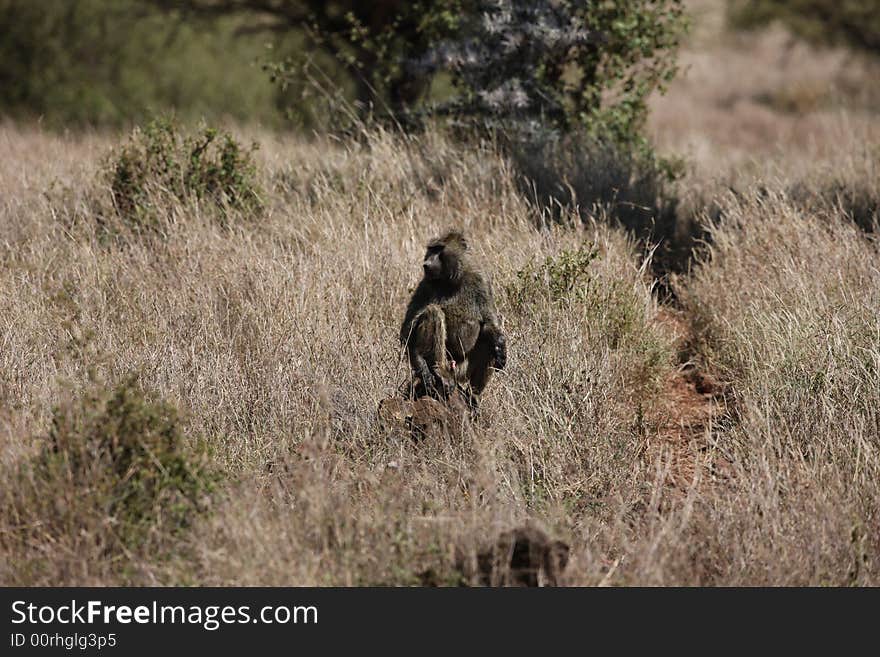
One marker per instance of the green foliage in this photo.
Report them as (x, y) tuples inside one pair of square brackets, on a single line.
[(853, 23), (101, 62), (354, 51), (565, 277), (115, 471), (563, 87), (611, 312), (359, 46), (636, 55), (516, 66), (382, 37), (161, 162), (112, 62), (529, 67)]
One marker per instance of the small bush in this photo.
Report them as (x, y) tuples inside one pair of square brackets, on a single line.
[(606, 309), (564, 277), (114, 477), (160, 163)]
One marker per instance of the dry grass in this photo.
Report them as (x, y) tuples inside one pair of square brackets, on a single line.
[(276, 339), (749, 105), (787, 315)]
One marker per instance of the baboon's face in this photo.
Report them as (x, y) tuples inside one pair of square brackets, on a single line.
[(443, 259), (434, 266)]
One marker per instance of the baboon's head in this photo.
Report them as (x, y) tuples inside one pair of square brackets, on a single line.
[(444, 259), (524, 556)]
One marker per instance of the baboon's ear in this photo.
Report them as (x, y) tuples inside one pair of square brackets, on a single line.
[(457, 237)]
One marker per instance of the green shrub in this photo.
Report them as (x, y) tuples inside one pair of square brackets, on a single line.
[(610, 308), (160, 163), (115, 476), (518, 69), (564, 277), (530, 69)]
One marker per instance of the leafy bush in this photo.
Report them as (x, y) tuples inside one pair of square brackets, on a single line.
[(528, 67), (566, 276), (610, 308), (114, 473), (159, 162), (562, 87)]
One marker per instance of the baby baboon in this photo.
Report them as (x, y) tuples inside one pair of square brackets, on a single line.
[(524, 556), (451, 330)]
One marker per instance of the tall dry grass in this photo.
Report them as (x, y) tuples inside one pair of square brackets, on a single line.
[(786, 309), (274, 336), (277, 339)]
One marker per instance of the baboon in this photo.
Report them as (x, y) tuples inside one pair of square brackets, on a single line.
[(524, 556), (451, 330)]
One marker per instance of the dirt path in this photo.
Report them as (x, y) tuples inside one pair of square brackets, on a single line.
[(683, 434)]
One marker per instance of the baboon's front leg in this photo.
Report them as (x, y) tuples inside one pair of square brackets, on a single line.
[(427, 351)]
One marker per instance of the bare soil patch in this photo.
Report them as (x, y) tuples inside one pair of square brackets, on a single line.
[(687, 419)]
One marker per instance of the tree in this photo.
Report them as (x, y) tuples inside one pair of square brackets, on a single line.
[(368, 39), (560, 64), (528, 66)]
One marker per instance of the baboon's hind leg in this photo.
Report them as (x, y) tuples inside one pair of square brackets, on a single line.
[(479, 368)]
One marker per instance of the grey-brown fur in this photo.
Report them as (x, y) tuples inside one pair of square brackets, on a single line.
[(451, 329)]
